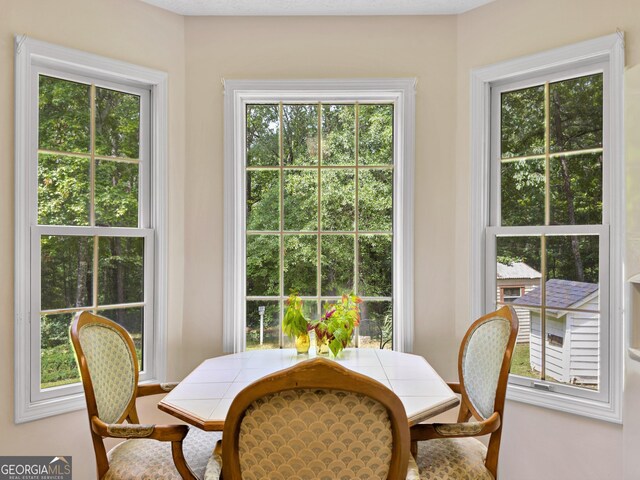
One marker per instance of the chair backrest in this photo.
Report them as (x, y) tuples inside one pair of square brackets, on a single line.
[(316, 419), (483, 367), (108, 366)]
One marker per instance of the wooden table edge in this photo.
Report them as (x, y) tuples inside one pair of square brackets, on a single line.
[(207, 426), (432, 412)]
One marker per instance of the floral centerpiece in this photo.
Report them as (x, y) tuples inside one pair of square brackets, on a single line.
[(295, 325), (336, 326)]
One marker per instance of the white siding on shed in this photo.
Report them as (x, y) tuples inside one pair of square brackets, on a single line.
[(578, 360), (557, 364), (585, 344)]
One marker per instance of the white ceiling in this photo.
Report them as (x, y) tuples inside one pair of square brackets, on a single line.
[(317, 7)]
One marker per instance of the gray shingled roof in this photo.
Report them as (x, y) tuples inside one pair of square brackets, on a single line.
[(516, 270), (560, 294)]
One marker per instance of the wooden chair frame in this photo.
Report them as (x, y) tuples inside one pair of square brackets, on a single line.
[(99, 429), (319, 373), (491, 425)]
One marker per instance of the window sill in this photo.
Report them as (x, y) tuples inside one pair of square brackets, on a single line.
[(57, 406), (30, 411), (609, 412)]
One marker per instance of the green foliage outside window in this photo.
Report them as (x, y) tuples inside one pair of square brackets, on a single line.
[(65, 198), (319, 195), (551, 174)]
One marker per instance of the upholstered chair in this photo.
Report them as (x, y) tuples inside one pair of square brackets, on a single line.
[(451, 451), (316, 420), (109, 368)]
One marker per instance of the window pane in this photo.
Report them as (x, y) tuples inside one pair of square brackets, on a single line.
[(263, 135), (117, 123), (310, 310), (338, 199), (270, 310), (376, 135), (522, 122), (511, 293), (64, 115), (338, 262), (575, 113), (66, 271), (116, 194), (576, 189), (63, 190), (572, 337), (573, 272), (300, 200), (522, 192), (132, 320), (300, 134), (375, 200), (526, 354), (338, 135), (518, 271), (58, 364), (376, 265), (263, 200), (376, 325), (300, 264), (120, 270), (263, 265)]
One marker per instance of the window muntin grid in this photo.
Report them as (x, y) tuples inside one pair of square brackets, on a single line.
[(122, 159), (280, 160), (545, 226)]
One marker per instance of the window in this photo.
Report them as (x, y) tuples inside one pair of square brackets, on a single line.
[(319, 195), (509, 294), (553, 177), (322, 188), (555, 340), (85, 202)]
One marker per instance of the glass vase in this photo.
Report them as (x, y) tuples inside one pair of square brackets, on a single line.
[(303, 342), (322, 346)]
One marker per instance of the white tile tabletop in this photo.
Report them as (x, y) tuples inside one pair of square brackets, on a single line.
[(204, 397)]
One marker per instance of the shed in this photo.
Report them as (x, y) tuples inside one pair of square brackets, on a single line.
[(513, 281), (572, 330)]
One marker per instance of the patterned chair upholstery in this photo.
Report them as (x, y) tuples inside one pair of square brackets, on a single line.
[(450, 451), (109, 369), (316, 420)]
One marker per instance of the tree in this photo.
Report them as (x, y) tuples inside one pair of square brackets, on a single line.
[(64, 198), (301, 192), (575, 113)]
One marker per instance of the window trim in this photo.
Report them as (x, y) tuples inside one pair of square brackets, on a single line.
[(609, 50), (240, 92), (31, 55)]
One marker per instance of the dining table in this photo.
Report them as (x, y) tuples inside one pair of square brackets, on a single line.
[(203, 398)]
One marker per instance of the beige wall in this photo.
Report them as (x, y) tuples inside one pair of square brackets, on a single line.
[(296, 47), (122, 29), (198, 53), (539, 443), (631, 431)]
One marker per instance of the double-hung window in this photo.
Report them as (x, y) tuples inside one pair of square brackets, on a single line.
[(553, 181), (320, 179), (85, 205)]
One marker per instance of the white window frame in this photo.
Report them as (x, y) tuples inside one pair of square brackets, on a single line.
[(607, 53), (239, 93), (32, 58)]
